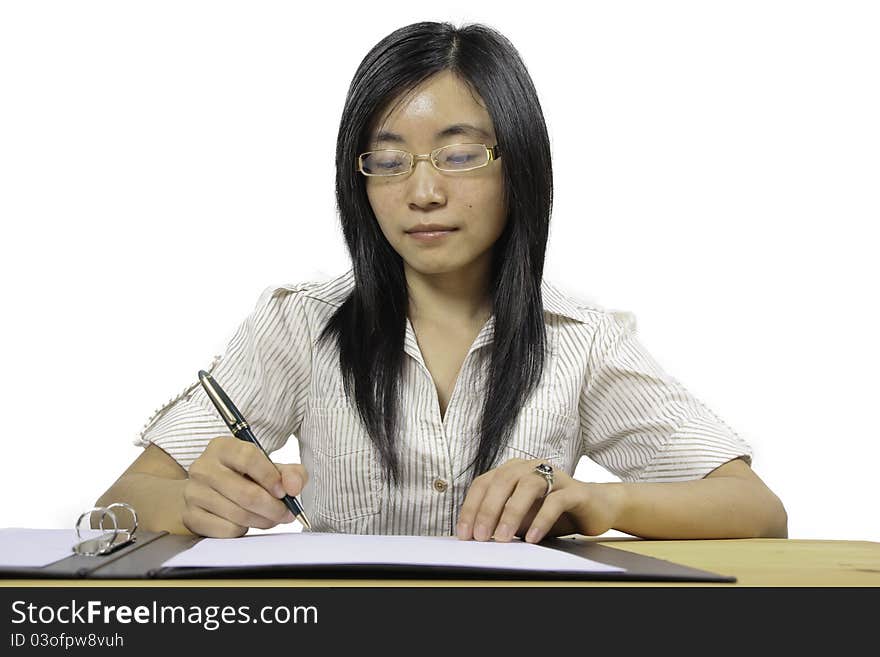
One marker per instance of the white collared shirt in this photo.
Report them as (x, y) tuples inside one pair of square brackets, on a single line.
[(601, 396)]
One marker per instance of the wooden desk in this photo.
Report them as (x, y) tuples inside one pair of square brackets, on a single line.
[(770, 562), (754, 562)]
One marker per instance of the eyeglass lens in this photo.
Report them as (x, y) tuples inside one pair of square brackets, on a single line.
[(457, 157)]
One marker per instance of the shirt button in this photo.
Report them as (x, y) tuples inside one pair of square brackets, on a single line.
[(440, 485)]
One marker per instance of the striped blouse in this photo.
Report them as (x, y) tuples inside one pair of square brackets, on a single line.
[(601, 396)]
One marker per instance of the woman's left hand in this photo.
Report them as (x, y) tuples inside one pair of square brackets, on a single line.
[(510, 500)]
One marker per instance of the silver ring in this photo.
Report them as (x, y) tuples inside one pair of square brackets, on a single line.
[(547, 472)]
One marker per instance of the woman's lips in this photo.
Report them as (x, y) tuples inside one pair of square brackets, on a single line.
[(430, 235)]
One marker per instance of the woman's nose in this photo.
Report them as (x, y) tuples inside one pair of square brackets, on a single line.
[(426, 186)]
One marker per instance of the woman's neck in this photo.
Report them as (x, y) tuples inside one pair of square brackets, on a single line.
[(459, 296)]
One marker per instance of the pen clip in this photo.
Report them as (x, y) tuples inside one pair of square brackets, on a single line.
[(224, 406)]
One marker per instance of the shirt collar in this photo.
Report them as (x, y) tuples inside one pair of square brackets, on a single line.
[(559, 303), (484, 337), (555, 302)]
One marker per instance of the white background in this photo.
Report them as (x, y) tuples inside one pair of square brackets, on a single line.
[(716, 169)]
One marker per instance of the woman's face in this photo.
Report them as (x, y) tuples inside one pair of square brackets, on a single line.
[(465, 209)]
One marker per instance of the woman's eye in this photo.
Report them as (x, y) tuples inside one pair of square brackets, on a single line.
[(459, 158), (387, 163)]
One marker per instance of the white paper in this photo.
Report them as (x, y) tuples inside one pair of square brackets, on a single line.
[(35, 548), (321, 549)]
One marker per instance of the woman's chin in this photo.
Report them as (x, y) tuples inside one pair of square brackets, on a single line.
[(433, 267)]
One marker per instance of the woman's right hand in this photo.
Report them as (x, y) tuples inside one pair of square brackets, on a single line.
[(232, 486)]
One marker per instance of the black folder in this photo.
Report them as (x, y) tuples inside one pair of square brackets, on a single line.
[(143, 559)]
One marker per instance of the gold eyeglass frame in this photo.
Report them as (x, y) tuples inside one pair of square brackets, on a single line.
[(492, 152)]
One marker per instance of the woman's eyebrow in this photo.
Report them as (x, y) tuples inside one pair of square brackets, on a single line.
[(452, 130)]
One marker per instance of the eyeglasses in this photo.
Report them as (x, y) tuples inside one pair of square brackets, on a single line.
[(455, 157)]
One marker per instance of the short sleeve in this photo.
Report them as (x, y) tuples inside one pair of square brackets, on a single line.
[(265, 370), (639, 422)]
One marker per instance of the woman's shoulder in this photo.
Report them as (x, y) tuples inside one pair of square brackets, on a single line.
[(573, 304), (323, 289)]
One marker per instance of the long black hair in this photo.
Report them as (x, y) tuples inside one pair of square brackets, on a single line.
[(370, 326)]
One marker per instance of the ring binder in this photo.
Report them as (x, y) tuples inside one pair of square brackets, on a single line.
[(145, 557), (121, 552), (110, 540)]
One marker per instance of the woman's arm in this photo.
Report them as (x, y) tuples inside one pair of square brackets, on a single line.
[(230, 487), (224, 490), (153, 484), (730, 502)]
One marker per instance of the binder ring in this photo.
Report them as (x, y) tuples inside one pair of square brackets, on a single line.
[(109, 540), (128, 508)]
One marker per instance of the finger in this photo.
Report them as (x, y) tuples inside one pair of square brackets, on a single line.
[(242, 491), (518, 506), (248, 459), (555, 504), (208, 499), (293, 477), (465, 528), (492, 504), (204, 523)]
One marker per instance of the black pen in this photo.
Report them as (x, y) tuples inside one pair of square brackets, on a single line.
[(241, 430)]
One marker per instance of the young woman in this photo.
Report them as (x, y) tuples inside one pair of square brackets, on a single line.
[(442, 386)]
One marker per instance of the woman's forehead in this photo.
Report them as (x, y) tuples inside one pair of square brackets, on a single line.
[(441, 106)]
